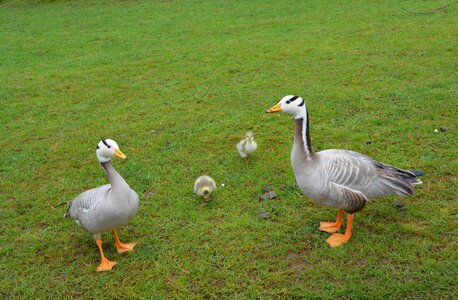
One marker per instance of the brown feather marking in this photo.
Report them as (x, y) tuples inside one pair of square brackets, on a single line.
[(354, 201)]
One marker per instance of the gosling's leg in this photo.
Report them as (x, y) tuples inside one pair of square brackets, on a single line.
[(121, 247), (106, 264), (336, 239), (332, 227)]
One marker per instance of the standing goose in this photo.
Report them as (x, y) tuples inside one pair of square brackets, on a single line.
[(247, 145), (343, 179), (106, 207)]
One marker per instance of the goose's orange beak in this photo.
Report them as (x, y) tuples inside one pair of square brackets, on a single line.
[(119, 154), (276, 108)]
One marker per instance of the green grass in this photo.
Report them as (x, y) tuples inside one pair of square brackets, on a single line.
[(177, 84)]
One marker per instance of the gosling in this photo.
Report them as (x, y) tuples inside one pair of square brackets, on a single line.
[(204, 186), (247, 145)]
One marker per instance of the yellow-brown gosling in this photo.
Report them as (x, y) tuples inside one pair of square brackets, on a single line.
[(247, 145), (204, 186)]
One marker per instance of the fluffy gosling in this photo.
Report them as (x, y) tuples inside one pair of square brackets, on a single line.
[(247, 145), (204, 186)]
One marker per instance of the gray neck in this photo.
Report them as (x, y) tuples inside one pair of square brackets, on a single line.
[(302, 138), (116, 180)]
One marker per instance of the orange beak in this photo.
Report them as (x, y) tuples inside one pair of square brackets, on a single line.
[(119, 154), (276, 108)]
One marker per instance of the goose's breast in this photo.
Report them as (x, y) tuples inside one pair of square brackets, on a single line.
[(311, 181), (112, 214), (126, 208)]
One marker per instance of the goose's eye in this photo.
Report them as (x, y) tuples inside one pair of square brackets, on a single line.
[(288, 102), (98, 147)]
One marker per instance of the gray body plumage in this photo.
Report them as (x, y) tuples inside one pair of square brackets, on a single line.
[(345, 179), (106, 207)]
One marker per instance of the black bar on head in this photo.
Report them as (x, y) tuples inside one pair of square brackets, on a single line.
[(302, 103), (294, 98), (108, 146)]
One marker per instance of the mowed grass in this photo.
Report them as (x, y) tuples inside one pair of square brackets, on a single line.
[(177, 84)]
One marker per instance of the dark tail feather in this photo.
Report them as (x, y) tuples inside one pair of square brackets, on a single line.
[(403, 180), (413, 178), (408, 175), (418, 172)]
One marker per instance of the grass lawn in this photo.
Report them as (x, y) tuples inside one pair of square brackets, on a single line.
[(177, 84)]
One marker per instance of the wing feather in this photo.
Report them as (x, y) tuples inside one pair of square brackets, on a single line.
[(361, 173), (87, 200)]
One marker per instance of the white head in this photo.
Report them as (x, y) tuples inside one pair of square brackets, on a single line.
[(293, 105), (106, 149), (249, 135)]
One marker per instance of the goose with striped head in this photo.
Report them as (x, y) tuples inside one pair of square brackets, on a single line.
[(343, 179), (106, 207)]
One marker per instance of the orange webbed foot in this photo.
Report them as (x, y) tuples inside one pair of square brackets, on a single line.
[(330, 227), (337, 240), (106, 265), (124, 247)]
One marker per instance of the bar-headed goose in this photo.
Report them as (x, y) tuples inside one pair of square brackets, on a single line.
[(106, 207), (343, 179)]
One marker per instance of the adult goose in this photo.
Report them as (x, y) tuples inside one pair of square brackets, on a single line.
[(343, 179), (106, 207)]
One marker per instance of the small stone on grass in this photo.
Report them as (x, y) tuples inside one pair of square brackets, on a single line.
[(264, 215), (443, 129), (268, 195)]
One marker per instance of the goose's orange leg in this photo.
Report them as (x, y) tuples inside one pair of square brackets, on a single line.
[(121, 247), (336, 239), (106, 264), (333, 227)]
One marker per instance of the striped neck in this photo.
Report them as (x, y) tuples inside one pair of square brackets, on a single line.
[(302, 135)]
